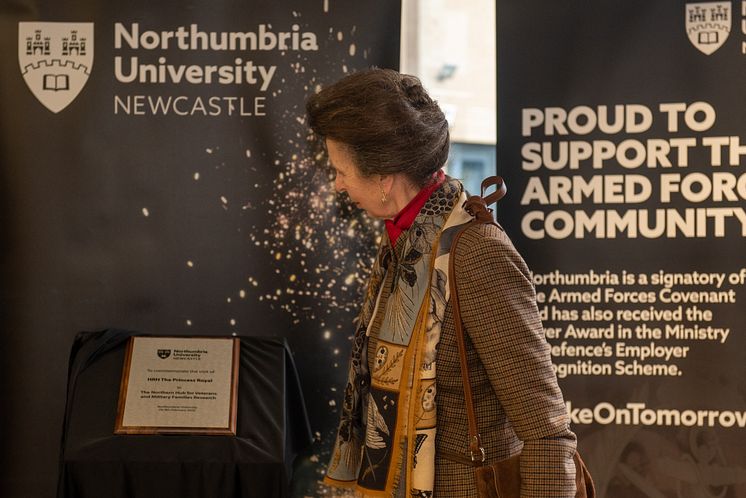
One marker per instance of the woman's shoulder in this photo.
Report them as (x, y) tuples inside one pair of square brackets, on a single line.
[(485, 236), (487, 244)]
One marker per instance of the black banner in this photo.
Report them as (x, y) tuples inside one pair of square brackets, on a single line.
[(621, 138), (158, 175)]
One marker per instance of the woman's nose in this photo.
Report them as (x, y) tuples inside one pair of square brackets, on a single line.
[(338, 185)]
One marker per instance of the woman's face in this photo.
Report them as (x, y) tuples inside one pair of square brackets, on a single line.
[(365, 192)]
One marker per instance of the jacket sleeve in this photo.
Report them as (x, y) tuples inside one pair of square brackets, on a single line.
[(500, 315)]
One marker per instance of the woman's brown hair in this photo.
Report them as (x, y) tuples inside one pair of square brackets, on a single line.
[(388, 121)]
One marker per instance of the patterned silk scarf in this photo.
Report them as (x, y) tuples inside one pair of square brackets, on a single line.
[(385, 444)]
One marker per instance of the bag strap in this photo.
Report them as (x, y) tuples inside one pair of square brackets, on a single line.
[(477, 207)]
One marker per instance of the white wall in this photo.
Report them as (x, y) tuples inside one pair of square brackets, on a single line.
[(461, 33)]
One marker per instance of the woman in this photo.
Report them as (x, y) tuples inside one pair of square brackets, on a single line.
[(387, 141)]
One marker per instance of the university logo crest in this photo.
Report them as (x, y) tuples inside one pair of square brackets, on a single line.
[(164, 353), (55, 59), (708, 25)]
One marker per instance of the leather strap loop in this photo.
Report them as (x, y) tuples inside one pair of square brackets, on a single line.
[(477, 205), (500, 189)]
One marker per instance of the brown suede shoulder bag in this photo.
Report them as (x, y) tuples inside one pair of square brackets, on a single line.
[(499, 479)]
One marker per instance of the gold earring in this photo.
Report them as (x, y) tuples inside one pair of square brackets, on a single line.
[(383, 194)]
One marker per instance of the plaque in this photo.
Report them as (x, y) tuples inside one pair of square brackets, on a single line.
[(179, 385)]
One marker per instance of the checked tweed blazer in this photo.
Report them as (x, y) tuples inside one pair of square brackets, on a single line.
[(517, 400)]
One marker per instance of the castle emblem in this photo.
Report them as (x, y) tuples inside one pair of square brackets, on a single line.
[(55, 59), (708, 25)]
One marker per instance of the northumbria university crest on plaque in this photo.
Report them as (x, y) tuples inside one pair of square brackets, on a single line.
[(55, 59), (708, 25)]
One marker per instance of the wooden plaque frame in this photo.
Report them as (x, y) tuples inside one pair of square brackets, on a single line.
[(230, 429)]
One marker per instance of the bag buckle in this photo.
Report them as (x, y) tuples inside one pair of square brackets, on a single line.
[(477, 456), (480, 457)]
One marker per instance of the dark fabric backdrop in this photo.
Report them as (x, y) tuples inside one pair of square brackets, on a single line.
[(168, 224)]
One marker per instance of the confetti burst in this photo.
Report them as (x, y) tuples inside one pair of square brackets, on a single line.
[(322, 246)]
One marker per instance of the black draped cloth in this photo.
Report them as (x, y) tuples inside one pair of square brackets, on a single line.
[(272, 427)]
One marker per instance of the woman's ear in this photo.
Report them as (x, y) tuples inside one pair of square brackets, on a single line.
[(386, 182)]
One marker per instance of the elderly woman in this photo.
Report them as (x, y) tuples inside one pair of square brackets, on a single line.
[(387, 142)]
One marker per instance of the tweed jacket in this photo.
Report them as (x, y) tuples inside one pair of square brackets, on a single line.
[(518, 402)]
